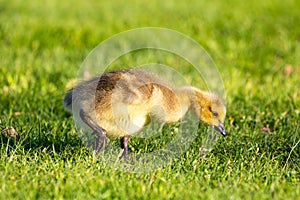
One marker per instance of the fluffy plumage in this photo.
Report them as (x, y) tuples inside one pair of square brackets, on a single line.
[(120, 103)]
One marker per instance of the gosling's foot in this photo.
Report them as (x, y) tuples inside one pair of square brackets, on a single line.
[(124, 146), (99, 142)]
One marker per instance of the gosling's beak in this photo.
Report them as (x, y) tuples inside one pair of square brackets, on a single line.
[(221, 129)]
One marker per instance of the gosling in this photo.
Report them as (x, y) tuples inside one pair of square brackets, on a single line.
[(120, 103)]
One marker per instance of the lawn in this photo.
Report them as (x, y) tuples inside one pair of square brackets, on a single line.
[(254, 44)]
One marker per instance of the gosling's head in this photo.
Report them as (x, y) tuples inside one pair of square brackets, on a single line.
[(211, 110)]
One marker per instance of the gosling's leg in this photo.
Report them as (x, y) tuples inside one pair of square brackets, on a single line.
[(98, 132), (124, 146), (99, 142)]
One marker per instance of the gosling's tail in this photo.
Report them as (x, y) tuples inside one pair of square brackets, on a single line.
[(68, 100)]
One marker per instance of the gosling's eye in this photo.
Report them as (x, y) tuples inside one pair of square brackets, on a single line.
[(215, 114)]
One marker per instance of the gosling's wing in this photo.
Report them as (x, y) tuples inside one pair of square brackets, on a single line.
[(133, 87), (138, 86), (140, 95), (165, 104)]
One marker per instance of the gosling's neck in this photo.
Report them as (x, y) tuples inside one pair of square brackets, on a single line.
[(191, 98)]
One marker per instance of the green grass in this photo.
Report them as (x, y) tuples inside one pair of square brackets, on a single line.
[(42, 46)]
